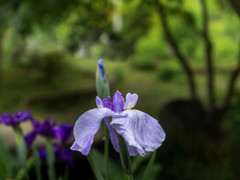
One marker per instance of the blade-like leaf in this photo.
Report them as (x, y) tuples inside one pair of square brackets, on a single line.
[(115, 170), (94, 167), (149, 168)]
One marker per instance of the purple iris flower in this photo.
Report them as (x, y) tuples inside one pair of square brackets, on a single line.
[(49, 129), (141, 132), (15, 118), (60, 152), (101, 67)]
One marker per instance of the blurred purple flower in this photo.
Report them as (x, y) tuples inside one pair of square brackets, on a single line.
[(15, 118), (141, 132), (49, 129), (60, 154)]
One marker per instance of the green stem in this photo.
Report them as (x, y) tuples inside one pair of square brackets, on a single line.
[(23, 172), (125, 157), (50, 159), (21, 149), (20, 146), (106, 151)]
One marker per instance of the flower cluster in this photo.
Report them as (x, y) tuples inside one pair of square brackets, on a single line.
[(47, 128), (15, 118), (141, 132)]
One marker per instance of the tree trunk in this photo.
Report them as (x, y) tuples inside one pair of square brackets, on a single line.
[(231, 85), (236, 6), (179, 55), (209, 63)]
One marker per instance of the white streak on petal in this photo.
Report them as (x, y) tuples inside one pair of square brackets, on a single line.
[(131, 101), (139, 130)]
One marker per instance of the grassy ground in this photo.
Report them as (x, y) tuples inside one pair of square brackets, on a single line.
[(72, 92)]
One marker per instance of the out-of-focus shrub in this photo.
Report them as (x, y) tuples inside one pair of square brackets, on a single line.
[(149, 49), (118, 74), (46, 65), (166, 73)]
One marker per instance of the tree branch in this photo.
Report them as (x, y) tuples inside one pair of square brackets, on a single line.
[(174, 45), (208, 57), (236, 6), (232, 83)]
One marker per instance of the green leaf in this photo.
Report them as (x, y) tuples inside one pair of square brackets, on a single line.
[(8, 162), (138, 160), (66, 173), (23, 172), (94, 167), (115, 170), (149, 168), (124, 156), (37, 163), (21, 147), (50, 159)]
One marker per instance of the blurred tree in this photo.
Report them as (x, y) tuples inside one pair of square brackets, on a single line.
[(174, 44), (24, 15), (215, 114), (89, 21), (235, 5), (137, 22), (93, 22)]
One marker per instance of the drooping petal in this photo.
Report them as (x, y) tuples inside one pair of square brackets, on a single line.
[(131, 100), (140, 131), (86, 127), (118, 102), (76, 147), (112, 133), (114, 139)]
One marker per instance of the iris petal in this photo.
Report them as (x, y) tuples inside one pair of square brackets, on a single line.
[(114, 139), (99, 102), (86, 127), (118, 102), (76, 147), (107, 104), (131, 100), (141, 132)]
